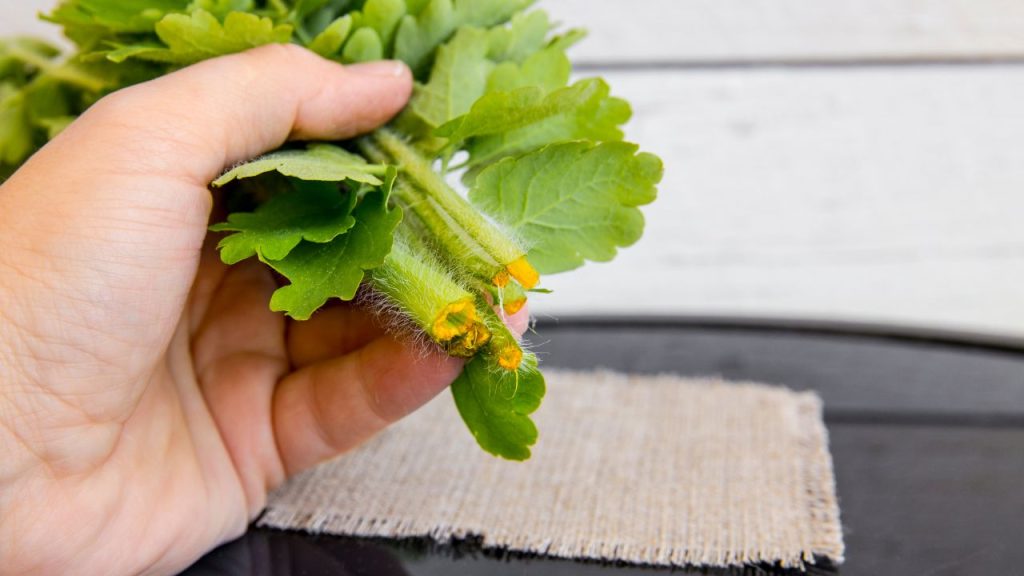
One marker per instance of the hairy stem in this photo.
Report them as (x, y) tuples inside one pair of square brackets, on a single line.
[(507, 253), (438, 305), (459, 248)]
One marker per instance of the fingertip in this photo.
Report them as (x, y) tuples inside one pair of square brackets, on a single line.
[(354, 100), (395, 82), (405, 376), (331, 407), (519, 322)]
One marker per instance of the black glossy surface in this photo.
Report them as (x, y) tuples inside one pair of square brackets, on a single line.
[(271, 553), (927, 437)]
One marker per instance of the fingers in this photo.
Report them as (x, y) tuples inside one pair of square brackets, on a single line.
[(336, 330), (238, 321), (333, 406), (113, 212), (519, 322), (222, 111)]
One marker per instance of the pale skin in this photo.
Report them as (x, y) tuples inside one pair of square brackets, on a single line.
[(149, 399)]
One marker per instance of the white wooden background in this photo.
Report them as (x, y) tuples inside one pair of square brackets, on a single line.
[(844, 159)]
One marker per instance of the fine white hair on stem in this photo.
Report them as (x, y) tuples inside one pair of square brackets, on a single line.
[(396, 321)]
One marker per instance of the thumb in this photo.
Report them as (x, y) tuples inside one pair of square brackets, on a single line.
[(107, 221), (195, 122)]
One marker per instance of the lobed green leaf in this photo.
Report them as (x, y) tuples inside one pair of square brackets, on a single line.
[(329, 42), (318, 162), (114, 16), (190, 38), (525, 35), (496, 405), (422, 31), (459, 79), (315, 212), (319, 272), (476, 61), (571, 202), (509, 123)]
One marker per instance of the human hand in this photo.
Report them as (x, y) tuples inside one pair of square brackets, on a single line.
[(149, 399)]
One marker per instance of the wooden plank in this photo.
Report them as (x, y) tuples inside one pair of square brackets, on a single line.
[(754, 30), (872, 194), (857, 377), (724, 31)]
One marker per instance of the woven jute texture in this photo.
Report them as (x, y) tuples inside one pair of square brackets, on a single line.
[(654, 470)]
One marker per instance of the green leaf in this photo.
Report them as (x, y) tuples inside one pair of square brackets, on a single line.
[(458, 80), (54, 125), (464, 70), (16, 134), (569, 39), (319, 272), (192, 38), (500, 113), (571, 202), (415, 6), (221, 8), (505, 124), (315, 212), (548, 69), (364, 46), (330, 41), (122, 16), (383, 16), (496, 405), (422, 31), (304, 8), (526, 35), (48, 98), (319, 162), (49, 106)]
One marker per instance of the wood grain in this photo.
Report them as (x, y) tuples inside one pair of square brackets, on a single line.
[(886, 194), (729, 31), (709, 31)]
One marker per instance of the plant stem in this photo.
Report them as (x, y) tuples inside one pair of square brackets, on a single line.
[(457, 246), (504, 346), (63, 72), (486, 234), (455, 243), (438, 305)]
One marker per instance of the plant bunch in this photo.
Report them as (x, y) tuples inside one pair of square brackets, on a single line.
[(551, 184)]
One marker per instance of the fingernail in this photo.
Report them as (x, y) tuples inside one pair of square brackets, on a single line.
[(386, 68)]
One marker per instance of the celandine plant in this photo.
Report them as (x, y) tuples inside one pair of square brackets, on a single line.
[(551, 183)]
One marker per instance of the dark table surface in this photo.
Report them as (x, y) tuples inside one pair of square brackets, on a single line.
[(926, 430)]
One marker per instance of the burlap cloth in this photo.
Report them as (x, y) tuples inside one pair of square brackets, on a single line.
[(652, 470)]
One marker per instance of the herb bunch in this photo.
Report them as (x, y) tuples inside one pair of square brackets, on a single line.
[(551, 182)]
